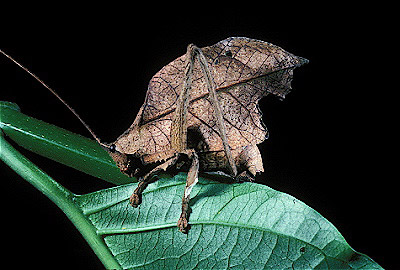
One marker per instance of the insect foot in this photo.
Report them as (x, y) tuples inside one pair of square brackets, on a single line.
[(183, 222), (135, 199)]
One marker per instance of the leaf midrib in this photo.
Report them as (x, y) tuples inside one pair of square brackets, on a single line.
[(106, 232), (105, 206), (153, 227)]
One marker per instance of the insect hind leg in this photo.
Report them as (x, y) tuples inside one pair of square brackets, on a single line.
[(179, 123), (217, 111)]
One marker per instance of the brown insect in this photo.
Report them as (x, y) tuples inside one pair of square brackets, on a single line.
[(201, 114)]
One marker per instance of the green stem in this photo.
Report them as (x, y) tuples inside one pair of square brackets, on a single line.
[(61, 196)]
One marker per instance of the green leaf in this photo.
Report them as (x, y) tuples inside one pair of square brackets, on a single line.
[(59, 144), (238, 226)]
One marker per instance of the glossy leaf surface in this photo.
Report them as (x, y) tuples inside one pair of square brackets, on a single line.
[(239, 226), (59, 144)]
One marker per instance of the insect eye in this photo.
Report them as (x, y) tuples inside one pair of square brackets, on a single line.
[(228, 53), (112, 148)]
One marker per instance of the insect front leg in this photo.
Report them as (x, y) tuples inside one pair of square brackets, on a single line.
[(136, 197), (192, 179)]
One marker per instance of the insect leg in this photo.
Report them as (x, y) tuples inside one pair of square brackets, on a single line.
[(179, 126), (179, 123), (191, 180), (217, 110), (136, 197)]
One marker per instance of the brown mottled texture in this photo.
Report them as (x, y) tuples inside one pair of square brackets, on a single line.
[(204, 105)]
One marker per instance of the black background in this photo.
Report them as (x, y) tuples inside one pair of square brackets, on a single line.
[(331, 140)]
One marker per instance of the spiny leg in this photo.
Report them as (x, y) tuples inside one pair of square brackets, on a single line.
[(179, 128), (179, 123), (179, 136), (136, 197), (217, 110), (192, 179)]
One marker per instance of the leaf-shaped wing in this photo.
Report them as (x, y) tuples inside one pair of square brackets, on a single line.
[(244, 71)]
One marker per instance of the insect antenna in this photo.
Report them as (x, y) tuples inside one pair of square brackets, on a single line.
[(54, 93)]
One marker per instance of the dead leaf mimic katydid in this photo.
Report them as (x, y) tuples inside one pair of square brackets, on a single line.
[(201, 114)]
